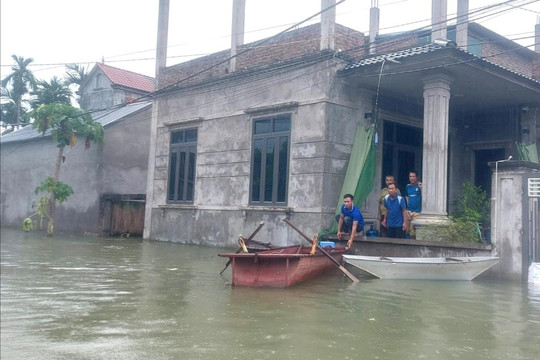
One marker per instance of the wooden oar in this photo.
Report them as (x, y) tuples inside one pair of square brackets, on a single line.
[(343, 270), (246, 241)]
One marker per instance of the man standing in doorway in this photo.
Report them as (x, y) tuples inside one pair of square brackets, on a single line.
[(396, 218), (413, 194), (389, 179), (350, 220)]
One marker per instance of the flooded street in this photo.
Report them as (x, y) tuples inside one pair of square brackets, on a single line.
[(93, 298)]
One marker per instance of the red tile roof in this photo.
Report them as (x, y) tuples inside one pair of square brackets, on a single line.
[(128, 78)]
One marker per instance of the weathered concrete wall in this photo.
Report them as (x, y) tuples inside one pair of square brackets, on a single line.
[(508, 220), (25, 164), (125, 150), (323, 120), (118, 166)]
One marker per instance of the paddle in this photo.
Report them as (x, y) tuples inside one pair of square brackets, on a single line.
[(343, 270), (245, 242)]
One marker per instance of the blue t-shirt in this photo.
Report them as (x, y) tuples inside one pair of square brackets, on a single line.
[(395, 206), (414, 192), (354, 213)]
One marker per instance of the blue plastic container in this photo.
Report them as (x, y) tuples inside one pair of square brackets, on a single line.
[(372, 232), (324, 244)]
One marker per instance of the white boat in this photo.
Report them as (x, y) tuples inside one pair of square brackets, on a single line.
[(441, 268)]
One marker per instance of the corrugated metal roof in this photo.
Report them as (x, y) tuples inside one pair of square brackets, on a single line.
[(105, 118), (395, 55), (423, 50)]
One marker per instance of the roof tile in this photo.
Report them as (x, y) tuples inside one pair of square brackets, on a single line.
[(128, 78)]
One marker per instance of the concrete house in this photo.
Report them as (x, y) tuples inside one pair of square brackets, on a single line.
[(264, 131), (109, 180)]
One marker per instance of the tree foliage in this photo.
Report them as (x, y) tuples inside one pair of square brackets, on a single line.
[(49, 92), (9, 110), (66, 123), (21, 78), (472, 210), (19, 83), (61, 191), (472, 205), (76, 74)]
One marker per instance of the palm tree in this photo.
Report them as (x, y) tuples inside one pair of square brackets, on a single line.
[(22, 80), (8, 108), (50, 92), (75, 74)]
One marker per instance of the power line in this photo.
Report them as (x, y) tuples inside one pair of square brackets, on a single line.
[(507, 3)]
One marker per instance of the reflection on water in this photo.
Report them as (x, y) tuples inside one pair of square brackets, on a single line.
[(87, 298)]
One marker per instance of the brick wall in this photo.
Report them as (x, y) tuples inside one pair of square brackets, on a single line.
[(290, 45), (507, 57)]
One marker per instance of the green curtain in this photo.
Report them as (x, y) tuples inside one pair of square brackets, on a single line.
[(360, 173), (527, 152)]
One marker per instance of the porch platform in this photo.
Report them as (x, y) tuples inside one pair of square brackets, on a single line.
[(380, 246)]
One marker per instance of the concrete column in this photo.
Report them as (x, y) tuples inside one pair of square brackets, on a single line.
[(438, 19), (537, 36), (328, 25), (510, 217), (237, 31), (162, 36), (462, 25), (530, 117), (435, 151), (374, 15)]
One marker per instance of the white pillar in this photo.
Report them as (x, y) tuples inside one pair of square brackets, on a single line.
[(435, 151), (162, 36), (438, 19), (462, 25), (374, 15), (328, 25), (237, 31), (536, 63)]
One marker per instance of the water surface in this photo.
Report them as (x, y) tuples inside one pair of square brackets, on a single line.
[(93, 298)]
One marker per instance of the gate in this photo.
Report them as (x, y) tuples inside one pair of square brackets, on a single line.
[(534, 219), (127, 218)]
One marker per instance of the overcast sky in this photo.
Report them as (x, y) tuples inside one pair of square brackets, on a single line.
[(123, 32)]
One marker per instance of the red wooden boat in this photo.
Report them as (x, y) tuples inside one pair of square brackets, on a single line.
[(280, 267)]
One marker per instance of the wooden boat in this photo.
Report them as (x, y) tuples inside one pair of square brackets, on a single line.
[(280, 267), (455, 268)]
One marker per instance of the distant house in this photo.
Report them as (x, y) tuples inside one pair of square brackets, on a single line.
[(269, 135), (109, 180)]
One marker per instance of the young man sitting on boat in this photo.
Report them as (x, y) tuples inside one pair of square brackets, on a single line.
[(350, 220)]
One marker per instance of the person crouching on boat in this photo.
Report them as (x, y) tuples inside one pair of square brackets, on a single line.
[(350, 220), (396, 214)]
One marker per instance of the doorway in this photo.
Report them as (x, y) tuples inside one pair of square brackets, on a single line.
[(482, 172), (402, 152)]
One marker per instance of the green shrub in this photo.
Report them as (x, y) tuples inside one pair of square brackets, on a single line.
[(472, 211)]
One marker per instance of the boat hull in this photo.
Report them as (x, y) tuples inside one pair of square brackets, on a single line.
[(281, 267), (456, 268)]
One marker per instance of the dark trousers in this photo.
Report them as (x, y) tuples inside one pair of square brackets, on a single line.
[(396, 232), (347, 224), (383, 230)]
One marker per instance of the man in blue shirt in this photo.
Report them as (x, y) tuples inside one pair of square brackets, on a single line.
[(396, 214), (350, 220), (413, 194)]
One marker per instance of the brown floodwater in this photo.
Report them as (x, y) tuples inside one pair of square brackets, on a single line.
[(71, 297)]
